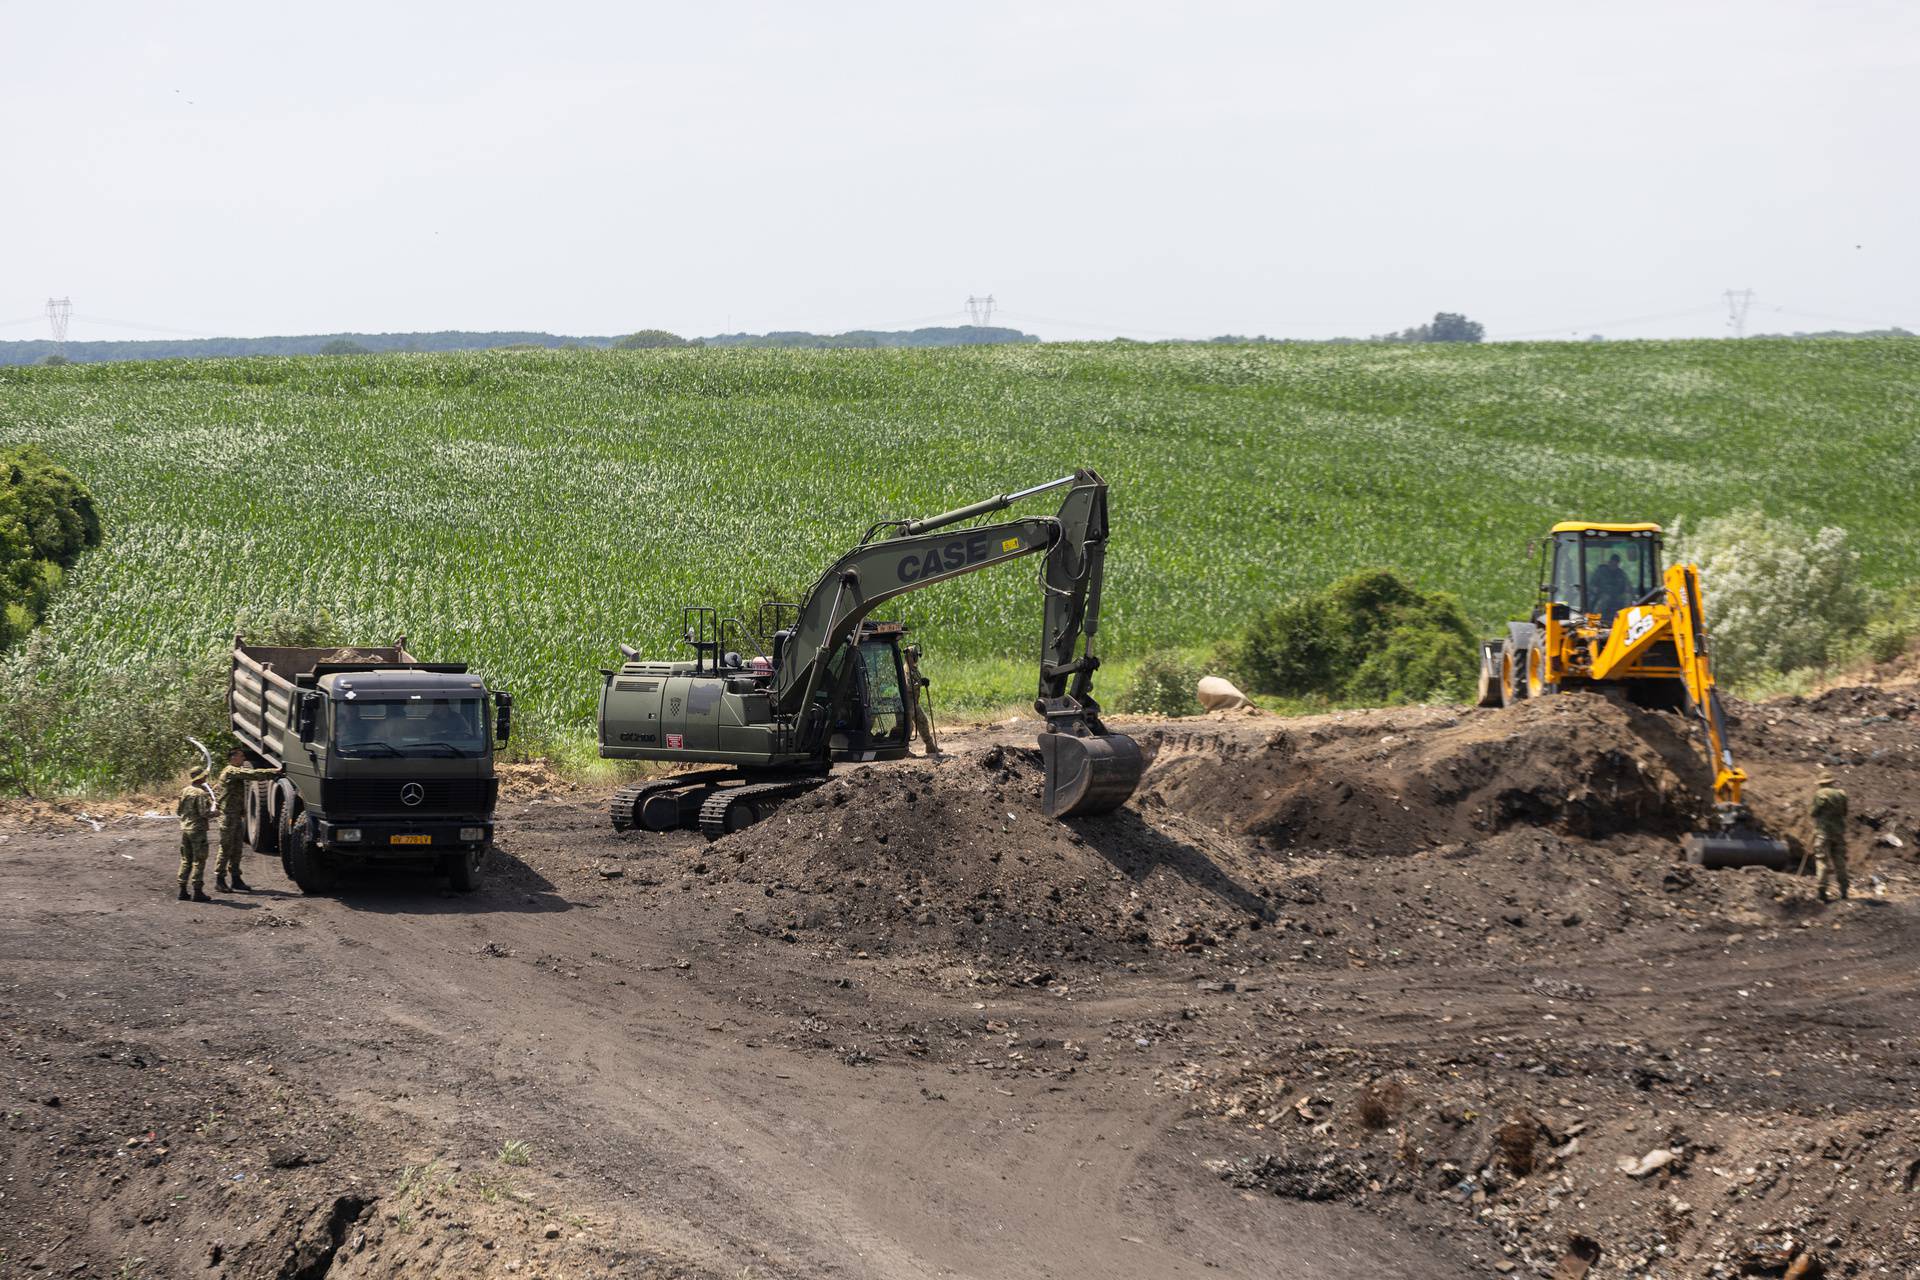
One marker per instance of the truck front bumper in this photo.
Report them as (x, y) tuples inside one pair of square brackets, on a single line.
[(378, 838)]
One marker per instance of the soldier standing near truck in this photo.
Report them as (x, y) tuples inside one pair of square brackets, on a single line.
[(917, 685), (232, 790), (195, 808)]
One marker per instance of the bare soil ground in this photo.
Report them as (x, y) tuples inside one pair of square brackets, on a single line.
[(1412, 993)]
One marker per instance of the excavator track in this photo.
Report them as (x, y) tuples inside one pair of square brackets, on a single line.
[(629, 802), (731, 809)]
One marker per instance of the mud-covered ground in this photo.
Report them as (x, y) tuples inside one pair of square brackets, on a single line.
[(1415, 993)]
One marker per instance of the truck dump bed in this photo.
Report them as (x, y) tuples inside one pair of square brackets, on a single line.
[(260, 687)]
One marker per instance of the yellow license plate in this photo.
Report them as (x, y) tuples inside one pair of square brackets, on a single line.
[(409, 839)]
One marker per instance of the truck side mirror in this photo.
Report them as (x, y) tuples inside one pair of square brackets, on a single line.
[(502, 716), (304, 720)]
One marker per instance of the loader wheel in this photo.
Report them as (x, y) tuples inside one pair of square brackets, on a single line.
[(1537, 685), (1513, 680), (308, 867)]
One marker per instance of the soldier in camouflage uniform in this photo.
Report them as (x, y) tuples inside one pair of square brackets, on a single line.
[(915, 683), (232, 790), (1830, 833), (196, 811)]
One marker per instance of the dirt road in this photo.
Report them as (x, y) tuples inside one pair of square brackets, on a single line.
[(1374, 995)]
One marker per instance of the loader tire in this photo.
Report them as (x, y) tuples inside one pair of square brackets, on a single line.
[(1536, 676), (309, 868), (1513, 675)]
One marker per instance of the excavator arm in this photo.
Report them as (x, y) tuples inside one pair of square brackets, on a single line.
[(1088, 770)]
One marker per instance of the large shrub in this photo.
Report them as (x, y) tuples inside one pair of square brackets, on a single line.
[(47, 519), (1778, 598), (1163, 685), (1371, 637)]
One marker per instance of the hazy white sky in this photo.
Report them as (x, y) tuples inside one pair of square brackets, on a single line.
[(1151, 169)]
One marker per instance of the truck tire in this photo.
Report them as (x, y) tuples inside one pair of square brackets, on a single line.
[(466, 870), (308, 867), (263, 833)]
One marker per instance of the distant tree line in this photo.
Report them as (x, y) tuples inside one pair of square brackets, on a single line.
[(46, 520)]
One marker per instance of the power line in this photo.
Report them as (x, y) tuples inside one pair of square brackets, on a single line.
[(1607, 324), (107, 323)]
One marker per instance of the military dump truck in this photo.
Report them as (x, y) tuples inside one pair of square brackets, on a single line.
[(385, 758)]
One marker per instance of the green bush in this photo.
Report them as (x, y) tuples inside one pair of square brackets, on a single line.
[(646, 339), (1162, 685), (47, 519), (1778, 598), (1371, 637)]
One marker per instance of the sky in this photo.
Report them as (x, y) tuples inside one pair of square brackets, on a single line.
[(1154, 170)]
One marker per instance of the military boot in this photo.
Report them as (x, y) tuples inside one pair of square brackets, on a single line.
[(183, 893), (200, 894), (239, 885), (220, 884)]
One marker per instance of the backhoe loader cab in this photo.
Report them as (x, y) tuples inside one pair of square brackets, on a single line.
[(1600, 568)]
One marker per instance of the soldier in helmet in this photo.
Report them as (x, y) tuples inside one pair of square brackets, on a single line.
[(916, 704), (1830, 832), (232, 791), (195, 808)]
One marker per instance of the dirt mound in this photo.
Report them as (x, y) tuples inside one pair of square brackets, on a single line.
[(957, 855), (1581, 764)]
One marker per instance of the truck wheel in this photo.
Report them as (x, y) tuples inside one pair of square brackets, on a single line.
[(1538, 686), (263, 833), (464, 870), (305, 865)]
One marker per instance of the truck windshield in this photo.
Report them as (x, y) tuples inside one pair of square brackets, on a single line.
[(411, 727)]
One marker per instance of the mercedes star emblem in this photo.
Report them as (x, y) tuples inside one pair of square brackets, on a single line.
[(412, 793)]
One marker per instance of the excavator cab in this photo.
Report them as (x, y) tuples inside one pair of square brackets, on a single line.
[(866, 682)]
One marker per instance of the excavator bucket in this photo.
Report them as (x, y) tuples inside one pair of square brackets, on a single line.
[(1094, 774), (1739, 846)]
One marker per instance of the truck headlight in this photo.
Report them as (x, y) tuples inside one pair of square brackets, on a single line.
[(347, 835), (472, 835)]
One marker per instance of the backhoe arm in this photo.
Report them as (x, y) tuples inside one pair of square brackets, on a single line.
[(1690, 641)]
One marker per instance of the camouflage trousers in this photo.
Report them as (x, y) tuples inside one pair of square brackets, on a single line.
[(1831, 850), (229, 862), (193, 859)]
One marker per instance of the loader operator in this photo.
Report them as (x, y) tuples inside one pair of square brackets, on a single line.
[(232, 790), (1830, 833), (915, 684), (1610, 588)]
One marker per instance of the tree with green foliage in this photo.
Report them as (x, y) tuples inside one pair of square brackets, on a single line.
[(1778, 598), (1371, 637), (47, 519), (647, 339), (344, 347), (1446, 326)]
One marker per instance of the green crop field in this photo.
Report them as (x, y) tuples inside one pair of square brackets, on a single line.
[(527, 510)]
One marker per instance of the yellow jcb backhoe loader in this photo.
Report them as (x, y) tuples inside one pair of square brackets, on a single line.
[(1608, 617)]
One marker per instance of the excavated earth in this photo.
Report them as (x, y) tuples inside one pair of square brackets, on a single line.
[(1408, 993)]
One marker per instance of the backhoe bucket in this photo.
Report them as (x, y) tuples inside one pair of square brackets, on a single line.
[(1737, 847), (1088, 775)]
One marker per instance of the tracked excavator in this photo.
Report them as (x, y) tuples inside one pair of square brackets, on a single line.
[(1608, 617), (827, 683)]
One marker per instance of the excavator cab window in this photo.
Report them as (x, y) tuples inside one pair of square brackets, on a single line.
[(869, 712)]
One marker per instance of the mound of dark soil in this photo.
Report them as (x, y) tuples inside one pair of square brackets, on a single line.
[(1581, 764), (958, 856)]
